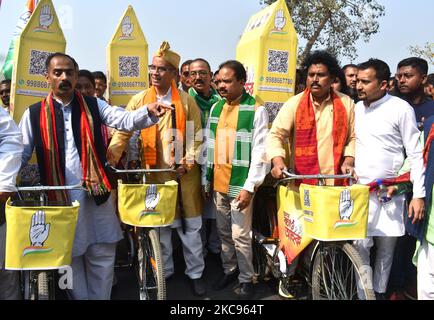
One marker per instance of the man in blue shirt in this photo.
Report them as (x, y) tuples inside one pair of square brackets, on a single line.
[(411, 78), (412, 75)]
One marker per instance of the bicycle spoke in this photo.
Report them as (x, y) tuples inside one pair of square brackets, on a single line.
[(338, 274)]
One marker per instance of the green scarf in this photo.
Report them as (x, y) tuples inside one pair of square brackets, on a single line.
[(205, 105), (243, 144)]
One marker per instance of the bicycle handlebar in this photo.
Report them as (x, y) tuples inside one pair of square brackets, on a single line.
[(51, 188), (142, 170), (291, 176)]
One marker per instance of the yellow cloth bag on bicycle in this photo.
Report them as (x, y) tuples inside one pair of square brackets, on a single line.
[(335, 213), (143, 205), (39, 238), (292, 235)]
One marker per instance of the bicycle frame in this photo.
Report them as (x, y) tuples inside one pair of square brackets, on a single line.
[(277, 259)]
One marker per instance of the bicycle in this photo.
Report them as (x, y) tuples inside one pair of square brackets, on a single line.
[(333, 270), (39, 283), (142, 236)]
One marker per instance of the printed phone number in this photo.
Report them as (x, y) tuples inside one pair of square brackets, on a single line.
[(278, 80), (37, 84), (128, 84)]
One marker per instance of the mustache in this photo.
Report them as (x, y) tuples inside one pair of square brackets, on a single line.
[(315, 85), (199, 81), (65, 84)]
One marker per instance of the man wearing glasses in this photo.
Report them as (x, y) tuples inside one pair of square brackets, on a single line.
[(159, 152), (206, 96)]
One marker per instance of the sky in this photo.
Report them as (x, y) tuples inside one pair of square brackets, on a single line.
[(207, 28)]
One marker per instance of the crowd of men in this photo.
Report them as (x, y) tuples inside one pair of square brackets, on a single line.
[(342, 120)]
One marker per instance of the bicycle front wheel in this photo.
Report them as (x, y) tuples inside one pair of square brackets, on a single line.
[(151, 271), (338, 274), (39, 285)]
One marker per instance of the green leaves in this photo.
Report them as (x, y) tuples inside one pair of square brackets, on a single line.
[(334, 24)]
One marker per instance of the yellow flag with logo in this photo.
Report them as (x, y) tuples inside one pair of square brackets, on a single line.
[(268, 50), (335, 213), (39, 238), (292, 230), (152, 205), (41, 37), (127, 60)]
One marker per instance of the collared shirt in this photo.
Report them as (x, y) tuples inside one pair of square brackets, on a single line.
[(96, 224), (283, 131), (11, 149), (7, 109), (386, 131)]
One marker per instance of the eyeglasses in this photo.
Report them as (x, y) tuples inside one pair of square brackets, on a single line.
[(201, 73), (153, 68)]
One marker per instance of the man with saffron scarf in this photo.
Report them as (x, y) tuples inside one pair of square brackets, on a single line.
[(318, 124), (65, 131), (205, 96), (425, 253), (160, 152)]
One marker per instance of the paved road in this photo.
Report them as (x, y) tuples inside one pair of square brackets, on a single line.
[(178, 286)]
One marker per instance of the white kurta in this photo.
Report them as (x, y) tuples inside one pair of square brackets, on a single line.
[(386, 133)]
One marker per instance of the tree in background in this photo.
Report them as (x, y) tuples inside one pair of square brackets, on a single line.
[(426, 52), (334, 24)]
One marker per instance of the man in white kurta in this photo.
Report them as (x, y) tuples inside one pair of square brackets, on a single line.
[(11, 148), (386, 131)]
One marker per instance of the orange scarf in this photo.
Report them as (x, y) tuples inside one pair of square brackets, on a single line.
[(94, 178), (149, 135), (306, 143)]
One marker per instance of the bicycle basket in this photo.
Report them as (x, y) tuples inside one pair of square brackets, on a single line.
[(143, 205), (335, 213), (39, 237), (291, 224)]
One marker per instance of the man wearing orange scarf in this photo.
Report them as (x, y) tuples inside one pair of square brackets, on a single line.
[(158, 152), (318, 124)]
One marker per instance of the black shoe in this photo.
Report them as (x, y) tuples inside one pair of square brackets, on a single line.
[(380, 296), (246, 291), (198, 287), (225, 280)]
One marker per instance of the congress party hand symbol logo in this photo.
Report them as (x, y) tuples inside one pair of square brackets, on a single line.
[(279, 20), (39, 232), (127, 27), (46, 18), (152, 199), (346, 207)]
